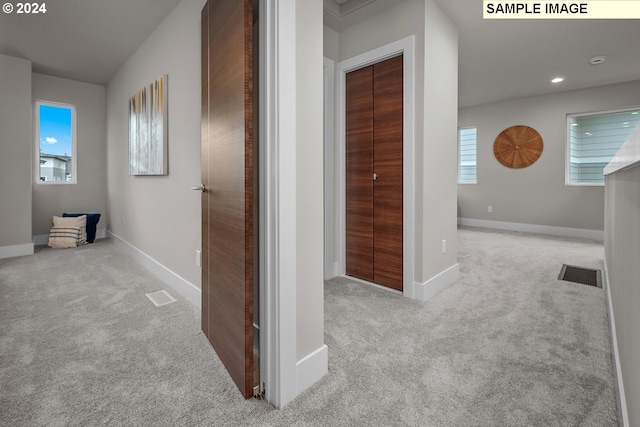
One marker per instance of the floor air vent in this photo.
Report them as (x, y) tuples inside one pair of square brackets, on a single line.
[(585, 276), (160, 298)]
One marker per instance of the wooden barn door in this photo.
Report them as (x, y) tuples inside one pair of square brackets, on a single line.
[(229, 197), (374, 173)]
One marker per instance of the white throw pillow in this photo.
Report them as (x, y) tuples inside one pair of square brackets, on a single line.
[(70, 222), (64, 237)]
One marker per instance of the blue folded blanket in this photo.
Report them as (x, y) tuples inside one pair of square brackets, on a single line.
[(92, 223)]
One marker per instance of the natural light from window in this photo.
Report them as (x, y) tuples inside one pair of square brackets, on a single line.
[(467, 165), (593, 140), (55, 131)]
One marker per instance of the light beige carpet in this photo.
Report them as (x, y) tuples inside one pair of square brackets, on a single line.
[(507, 344)]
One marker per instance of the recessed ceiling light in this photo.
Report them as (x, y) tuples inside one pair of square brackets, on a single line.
[(557, 79), (635, 112), (597, 60)]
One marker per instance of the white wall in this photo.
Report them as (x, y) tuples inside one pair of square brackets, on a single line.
[(439, 170), (331, 43), (160, 215), (537, 194), (89, 194), (16, 148), (622, 250), (309, 178)]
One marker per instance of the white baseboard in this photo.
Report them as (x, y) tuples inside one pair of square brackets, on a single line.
[(424, 291), (311, 368), (331, 271), (189, 291), (16, 250), (534, 228), (622, 401)]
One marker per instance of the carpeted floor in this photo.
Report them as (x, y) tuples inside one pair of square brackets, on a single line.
[(507, 344)]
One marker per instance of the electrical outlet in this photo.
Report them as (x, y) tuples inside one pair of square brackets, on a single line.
[(123, 223), (444, 246), (198, 258), (489, 208)]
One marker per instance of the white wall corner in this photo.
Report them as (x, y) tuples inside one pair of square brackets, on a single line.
[(41, 239), (189, 291), (311, 368), (424, 291), (621, 401), (16, 250), (581, 233)]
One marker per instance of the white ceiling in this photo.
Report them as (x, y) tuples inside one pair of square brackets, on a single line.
[(86, 40), (89, 40), (500, 59)]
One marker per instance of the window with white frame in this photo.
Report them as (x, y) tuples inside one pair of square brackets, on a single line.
[(592, 141), (55, 143), (467, 166)]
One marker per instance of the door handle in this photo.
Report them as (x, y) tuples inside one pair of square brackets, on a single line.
[(375, 176), (200, 188)]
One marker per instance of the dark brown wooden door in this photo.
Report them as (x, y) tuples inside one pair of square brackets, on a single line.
[(228, 203), (359, 173), (374, 154)]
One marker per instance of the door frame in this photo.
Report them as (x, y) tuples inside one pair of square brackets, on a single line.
[(406, 47), (277, 194), (330, 266)]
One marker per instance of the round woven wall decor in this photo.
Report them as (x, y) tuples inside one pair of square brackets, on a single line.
[(518, 147)]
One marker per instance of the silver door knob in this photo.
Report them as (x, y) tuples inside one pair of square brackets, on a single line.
[(200, 188)]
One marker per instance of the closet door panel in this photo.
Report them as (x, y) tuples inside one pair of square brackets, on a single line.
[(359, 174), (388, 156)]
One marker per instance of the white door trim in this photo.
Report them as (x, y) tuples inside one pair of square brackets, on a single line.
[(329, 169), (277, 196), (405, 46)]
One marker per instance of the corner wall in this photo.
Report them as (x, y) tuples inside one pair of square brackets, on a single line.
[(537, 194), (160, 215), (16, 148), (89, 194), (439, 170), (622, 251), (309, 179)]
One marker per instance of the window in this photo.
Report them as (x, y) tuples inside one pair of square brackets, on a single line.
[(467, 169), (56, 143), (593, 140)]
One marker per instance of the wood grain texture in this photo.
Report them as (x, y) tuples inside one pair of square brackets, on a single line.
[(374, 145), (518, 147), (230, 196), (388, 156), (359, 174)]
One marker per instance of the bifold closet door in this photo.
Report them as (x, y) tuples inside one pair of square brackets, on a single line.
[(359, 173), (374, 173)]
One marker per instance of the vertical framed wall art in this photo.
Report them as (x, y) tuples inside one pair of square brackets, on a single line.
[(148, 129)]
